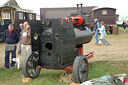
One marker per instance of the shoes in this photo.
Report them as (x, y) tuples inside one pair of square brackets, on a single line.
[(99, 44), (96, 43), (19, 53), (12, 67), (5, 68)]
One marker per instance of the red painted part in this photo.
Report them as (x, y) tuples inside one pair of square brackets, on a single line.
[(125, 80), (80, 51), (90, 55), (38, 67), (65, 19), (78, 20)]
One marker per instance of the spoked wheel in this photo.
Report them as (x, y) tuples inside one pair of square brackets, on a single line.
[(80, 69), (30, 66)]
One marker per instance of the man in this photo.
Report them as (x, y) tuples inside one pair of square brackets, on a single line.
[(25, 40), (21, 28), (11, 39), (20, 31), (96, 28)]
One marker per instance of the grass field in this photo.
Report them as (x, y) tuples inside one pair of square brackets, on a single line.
[(14, 76), (50, 77)]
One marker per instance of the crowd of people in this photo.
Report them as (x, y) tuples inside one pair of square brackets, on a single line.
[(12, 37)]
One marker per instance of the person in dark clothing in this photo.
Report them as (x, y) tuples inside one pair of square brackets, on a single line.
[(20, 28), (20, 31), (124, 25), (96, 30), (11, 39)]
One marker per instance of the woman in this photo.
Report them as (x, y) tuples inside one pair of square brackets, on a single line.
[(102, 31), (124, 25)]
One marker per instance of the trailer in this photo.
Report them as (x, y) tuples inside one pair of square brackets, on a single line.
[(105, 14)]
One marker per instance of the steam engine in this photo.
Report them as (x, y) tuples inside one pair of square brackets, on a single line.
[(57, 41), (57, 44)]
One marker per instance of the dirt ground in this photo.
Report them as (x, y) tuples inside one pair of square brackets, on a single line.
[(117, 52), (2, 54)]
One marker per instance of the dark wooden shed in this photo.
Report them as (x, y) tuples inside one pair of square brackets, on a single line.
[(105, 14), (50, 13)]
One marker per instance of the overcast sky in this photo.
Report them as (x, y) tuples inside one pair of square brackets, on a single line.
[(35, 5)]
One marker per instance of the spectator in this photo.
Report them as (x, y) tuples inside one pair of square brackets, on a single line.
[(11, 39), (102, 31), (20, 28), (96, 31), (20, 31), (124, 25), (25, 40)]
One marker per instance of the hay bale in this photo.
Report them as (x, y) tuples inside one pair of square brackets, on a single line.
[(66, 77)]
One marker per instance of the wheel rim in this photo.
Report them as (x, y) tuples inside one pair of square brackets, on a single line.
[(83, 70), (30, 64), (80, 69)]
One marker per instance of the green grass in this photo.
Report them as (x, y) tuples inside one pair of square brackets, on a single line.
[(14, 76), (104, 67), (50, 77), (121, 33)]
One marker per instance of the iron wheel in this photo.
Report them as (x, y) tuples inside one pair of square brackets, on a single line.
[(30, 66), (80, 69)]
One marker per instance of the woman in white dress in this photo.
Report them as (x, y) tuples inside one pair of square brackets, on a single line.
[(102, 31)]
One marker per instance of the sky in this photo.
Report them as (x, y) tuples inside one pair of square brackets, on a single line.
[(35, 5)]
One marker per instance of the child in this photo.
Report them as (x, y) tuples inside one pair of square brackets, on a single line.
[(102, 31)]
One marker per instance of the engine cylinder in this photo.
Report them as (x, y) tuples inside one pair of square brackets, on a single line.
[(82, 36)]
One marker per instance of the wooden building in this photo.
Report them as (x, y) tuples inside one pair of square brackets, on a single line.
[(50, 13), (105, 14), (11, 13)]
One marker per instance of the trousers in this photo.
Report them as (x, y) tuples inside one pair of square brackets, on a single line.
[(7, 54)]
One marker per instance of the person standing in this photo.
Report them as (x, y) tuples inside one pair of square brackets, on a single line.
[(124, 25), (96, 31), (11, 39), (20, 28), (20, 31), (102, 31), (25, 40)]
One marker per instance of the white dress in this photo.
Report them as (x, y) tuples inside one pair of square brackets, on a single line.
[(102, 31)]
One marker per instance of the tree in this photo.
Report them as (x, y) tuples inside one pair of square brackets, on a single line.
[(116, 17)]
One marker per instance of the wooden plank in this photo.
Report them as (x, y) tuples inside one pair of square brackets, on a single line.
[(25, 80)]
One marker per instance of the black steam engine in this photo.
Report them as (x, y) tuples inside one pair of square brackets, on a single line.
[(59, 45)]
